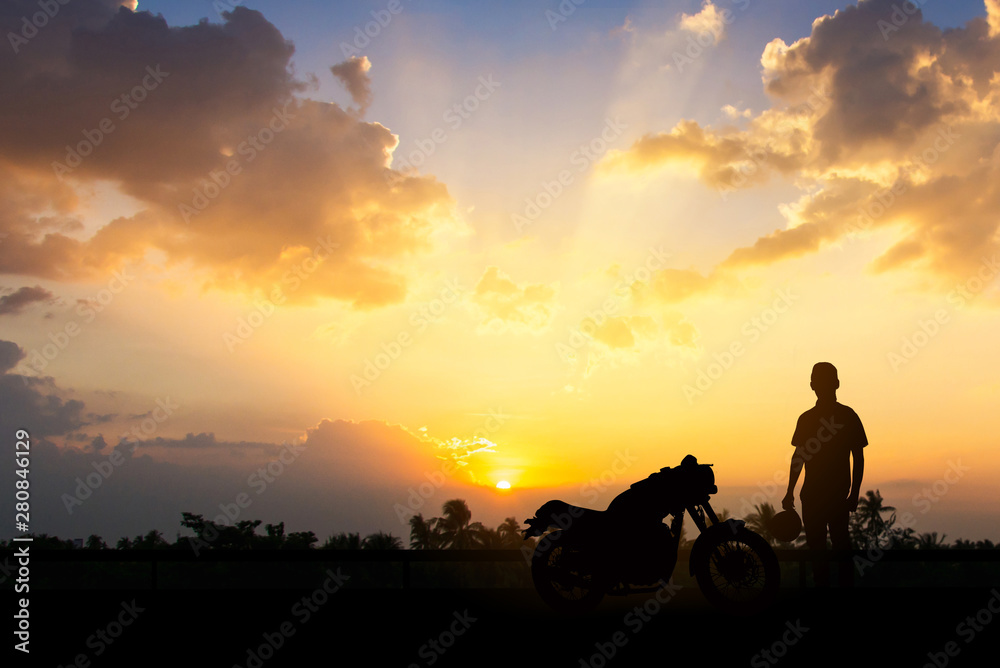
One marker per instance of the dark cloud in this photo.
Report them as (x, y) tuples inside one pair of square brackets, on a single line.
[(20, 299), (353, 73)]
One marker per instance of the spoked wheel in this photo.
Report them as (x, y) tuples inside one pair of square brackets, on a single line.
[(561, 576), (738, 571)]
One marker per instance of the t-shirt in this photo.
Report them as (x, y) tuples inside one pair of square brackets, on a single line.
[(827, 433)]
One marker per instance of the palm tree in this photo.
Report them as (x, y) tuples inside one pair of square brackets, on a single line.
[(490, 539), (510, 534), (870, 526), (458, 532), (930, 541), (905, 539), (424, 534), (382, 541), (343, 541), (759, 521)]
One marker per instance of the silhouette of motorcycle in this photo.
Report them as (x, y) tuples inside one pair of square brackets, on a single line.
[(628, 548)]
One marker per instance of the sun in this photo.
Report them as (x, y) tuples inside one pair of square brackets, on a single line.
[(503, 484)]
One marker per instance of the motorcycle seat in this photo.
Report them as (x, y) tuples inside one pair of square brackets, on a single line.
[(562, 515)]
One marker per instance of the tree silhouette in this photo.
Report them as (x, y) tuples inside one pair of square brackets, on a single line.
[(759, 521), (930, 541), (458, 532), (867, 524), (343, 541), (275, 535), (382, 541), (242, 536), (300, 540), (424, 534), (95, 542), (510, 534)]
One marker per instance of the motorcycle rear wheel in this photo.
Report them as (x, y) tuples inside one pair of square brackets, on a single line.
[(562, 586), (738, 572)]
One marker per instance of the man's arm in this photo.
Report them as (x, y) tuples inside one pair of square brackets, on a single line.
[(793, 477), (858, 454)]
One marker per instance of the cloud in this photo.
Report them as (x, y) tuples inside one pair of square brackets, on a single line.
[(10, 355), (881, 121), (240, 176), (340, 476), (34, 404), (708, 20), (20, 299), (353, 73), (504, 304)]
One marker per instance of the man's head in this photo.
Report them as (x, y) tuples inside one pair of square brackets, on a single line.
[(824, 379)]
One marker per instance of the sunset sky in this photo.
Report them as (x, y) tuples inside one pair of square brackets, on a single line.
[(509, 241)]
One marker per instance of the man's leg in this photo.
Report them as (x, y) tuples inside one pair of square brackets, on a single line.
[(814, 522), (841, 538)]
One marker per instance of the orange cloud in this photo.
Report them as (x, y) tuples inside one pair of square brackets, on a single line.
[(892, 126), (505, 304), (207, 128)]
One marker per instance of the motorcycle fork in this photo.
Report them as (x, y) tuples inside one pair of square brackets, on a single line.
[(698, 515)]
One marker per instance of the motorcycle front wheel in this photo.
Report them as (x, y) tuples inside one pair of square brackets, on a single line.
[(738, 571), (561, 577)]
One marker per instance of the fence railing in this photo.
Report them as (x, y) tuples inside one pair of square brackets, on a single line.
[(801, 557)]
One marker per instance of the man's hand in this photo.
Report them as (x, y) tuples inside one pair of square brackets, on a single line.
[(788, 503), (852, 503)]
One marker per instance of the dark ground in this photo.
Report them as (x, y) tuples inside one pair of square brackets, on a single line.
[(394, 627)]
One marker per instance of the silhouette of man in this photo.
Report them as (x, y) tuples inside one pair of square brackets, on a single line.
[(826, 438)]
